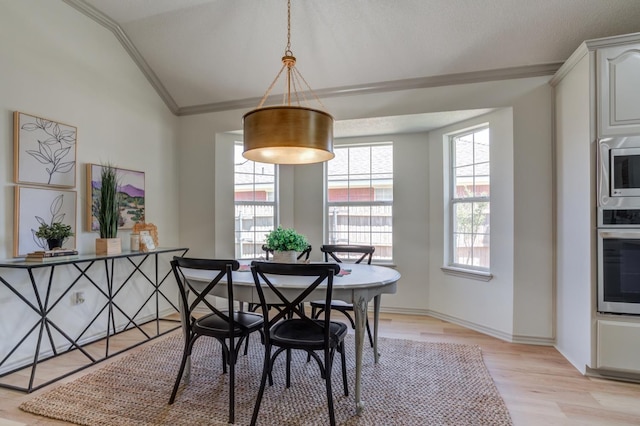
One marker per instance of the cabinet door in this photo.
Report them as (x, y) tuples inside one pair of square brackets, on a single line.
[(618, 346), (618, 75)]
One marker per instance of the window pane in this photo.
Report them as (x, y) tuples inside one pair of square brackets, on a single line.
[(255, 204), (462, 217), (359, 160), (480, 217), (339, 165), (359, 218), (359, 178), (470, 178), (382, 159), (481, 169), (463, 153)]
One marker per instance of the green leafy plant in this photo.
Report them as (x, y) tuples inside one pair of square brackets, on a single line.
[(108, 208), (285, 239), (55, 231)]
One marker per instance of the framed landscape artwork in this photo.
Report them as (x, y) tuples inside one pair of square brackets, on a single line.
[(130, 193), (35, 206), (44, 151)]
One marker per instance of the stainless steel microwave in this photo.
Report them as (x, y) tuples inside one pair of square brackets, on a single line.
[(619, 172)]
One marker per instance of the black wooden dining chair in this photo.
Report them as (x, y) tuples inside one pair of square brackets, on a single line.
[(289, 328), (337, 253), (223, 325), (252, 307)]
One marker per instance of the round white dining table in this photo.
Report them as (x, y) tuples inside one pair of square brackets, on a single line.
[(357, 284)]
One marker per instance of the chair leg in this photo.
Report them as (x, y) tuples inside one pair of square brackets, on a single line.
[(344, 369), (185, 354), (369, 331), (246, 345), (349, 317), (225, 357), (232, 388), (327, 380), (266, 369), (288, 368)]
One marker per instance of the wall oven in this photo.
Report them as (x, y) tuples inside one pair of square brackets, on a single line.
[(619, 261)]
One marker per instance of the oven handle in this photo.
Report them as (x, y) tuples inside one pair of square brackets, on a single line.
[(618, 234)]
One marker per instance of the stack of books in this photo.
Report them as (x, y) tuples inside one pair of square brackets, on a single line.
[(55, 255)]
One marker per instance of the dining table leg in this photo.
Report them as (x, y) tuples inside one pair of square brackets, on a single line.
[(360, 311)]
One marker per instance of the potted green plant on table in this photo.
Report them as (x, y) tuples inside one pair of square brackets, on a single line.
[(108, 213), (286, 243), (55, 233)]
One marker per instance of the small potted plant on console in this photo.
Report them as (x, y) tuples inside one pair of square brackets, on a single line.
[(55, 233)]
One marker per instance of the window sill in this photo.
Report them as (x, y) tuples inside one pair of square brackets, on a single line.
[(467, 273)]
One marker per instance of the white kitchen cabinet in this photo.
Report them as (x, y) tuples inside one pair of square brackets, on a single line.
[(597, 94), (618, 346), (618, 70)]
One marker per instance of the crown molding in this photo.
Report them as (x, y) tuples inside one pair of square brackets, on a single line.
[(393, 86), (362, 89), (122, 37)]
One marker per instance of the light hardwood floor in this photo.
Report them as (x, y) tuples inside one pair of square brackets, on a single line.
[(538, 385)]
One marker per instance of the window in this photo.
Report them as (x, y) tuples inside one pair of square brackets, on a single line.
[(255, 204), (359, 197), (469, 202)]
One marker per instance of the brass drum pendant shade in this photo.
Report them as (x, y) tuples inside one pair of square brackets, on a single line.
[(288, 135)]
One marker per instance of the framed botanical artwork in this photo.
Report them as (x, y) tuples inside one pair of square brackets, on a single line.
[(130, 194), (36, 206), (44, 151)]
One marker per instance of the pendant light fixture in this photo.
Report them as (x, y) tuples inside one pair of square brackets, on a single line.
[(288, 133)]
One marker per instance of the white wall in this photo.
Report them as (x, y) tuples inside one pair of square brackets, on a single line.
[(58, 64), (487, 305), (533, 216), (575, 182)]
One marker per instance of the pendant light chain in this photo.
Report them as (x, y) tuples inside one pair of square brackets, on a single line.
[(293, 75), (287, 51)]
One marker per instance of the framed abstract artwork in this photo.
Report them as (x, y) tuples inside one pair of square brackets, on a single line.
[(44, 151), (130, 194), (36, 206)]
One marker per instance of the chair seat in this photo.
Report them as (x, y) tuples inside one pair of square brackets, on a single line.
[(300, 334), (214, 325), (335, 304)]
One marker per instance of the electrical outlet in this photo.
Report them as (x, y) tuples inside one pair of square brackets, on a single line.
[(77, 297)]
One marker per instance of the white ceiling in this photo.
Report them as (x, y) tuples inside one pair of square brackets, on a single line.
[(207, 55)]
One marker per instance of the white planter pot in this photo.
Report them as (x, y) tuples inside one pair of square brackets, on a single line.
[(285, 256)]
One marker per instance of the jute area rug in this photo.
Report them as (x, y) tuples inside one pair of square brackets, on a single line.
[(415, 383)]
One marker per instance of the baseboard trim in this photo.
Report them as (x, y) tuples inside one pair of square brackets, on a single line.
[(511, 338)]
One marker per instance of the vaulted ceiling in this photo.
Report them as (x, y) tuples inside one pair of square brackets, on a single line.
[(212, 55)]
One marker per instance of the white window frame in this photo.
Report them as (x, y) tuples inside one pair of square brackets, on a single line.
[(451, 267), (384, 203), (273, 203)]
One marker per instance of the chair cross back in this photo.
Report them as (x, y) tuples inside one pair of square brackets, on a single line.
[(223, 266), (330, 250), (322, 272)]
